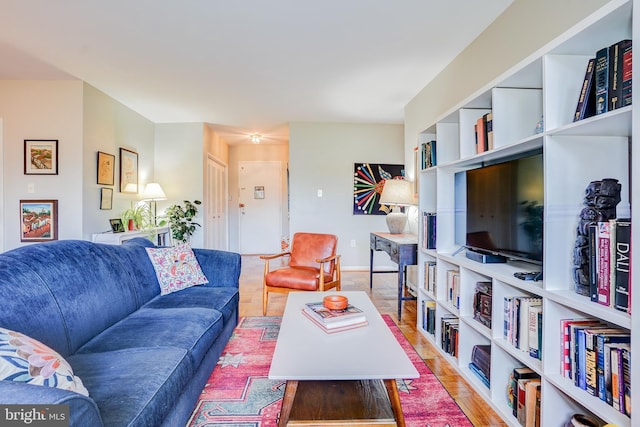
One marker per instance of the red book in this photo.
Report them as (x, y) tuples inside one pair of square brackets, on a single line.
[(481, 135), (604, 263)]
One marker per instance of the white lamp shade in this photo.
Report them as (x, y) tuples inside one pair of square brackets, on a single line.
[(397, 192), (153, 191)]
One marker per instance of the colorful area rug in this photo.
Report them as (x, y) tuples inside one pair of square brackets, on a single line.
[(239, 392)]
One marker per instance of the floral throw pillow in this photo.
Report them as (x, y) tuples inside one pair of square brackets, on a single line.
[(24, 359), (176, 268)]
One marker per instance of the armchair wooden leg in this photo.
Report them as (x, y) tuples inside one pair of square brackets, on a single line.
[(265, 298)]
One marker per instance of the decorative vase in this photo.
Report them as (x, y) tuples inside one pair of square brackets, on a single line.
[(580, 420), (131, 225)]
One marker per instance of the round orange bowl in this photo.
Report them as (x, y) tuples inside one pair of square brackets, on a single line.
[(335, 302)]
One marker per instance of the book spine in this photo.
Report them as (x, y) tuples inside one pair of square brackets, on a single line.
[(590, 371), (481, 135), (593, 262), (602, 80), (614, 77), (626, 80), (581, 108), (615, 373), (625, 395), (604, 287), (535, 316), (489, 129), (622, 262)]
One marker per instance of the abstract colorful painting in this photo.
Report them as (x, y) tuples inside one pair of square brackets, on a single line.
[(368, 180)]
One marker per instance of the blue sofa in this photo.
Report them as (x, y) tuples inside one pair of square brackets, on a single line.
[(144, 358)]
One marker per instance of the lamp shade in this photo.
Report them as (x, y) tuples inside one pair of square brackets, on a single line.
[(153, 191), (397, 192)]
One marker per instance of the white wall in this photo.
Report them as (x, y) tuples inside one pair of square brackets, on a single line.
[(179, 167), (42, 110), (322, 156), (107, 126)]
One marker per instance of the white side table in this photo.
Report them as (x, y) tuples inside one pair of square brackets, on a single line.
[(161, 233)]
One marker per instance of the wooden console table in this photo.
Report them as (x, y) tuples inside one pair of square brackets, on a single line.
[(403, 250)]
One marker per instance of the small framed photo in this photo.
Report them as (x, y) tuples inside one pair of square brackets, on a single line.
[(40, 156), (116, 225), (128, 171), (106, 168), (106, 198), (39, 220)]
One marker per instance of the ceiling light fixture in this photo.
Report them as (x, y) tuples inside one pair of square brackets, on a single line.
[(256, 138)]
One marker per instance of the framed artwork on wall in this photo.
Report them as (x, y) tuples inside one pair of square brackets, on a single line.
[(368, 181), (128, 171), (40, 156), (106, 198), (106, 168), (38, 220)]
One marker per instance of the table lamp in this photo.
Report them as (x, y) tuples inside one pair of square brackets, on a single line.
[(396, 193), (152, 193)]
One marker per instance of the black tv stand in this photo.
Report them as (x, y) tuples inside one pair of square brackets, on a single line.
[(485, 257)]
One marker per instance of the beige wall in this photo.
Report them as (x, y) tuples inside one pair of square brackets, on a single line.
[(107, 126), (42, 110), (322, 156), (521, 30)]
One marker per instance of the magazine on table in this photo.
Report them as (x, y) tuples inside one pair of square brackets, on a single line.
[(342, 325), (323, 314)]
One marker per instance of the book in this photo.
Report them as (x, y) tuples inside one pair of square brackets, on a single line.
[(601, 80), (603, 337), (334, 318), (336, 327), (481, 139), (488, 119), (522, 398), (532, 403), (626, 80), (517, 375), (535, 332), (481, 357), (593, 262), (622, 263), (482, 303), (603, 263), (587, 94), (615, 378), (625, 354), (479, 374), (617, 73)]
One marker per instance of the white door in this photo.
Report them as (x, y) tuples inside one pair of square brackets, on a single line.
[(216, 234), (260, 207)]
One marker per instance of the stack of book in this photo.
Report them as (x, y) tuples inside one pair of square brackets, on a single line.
[(524, 396), (332, 321)]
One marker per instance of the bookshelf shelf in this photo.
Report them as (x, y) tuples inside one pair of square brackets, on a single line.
[(575, 153)]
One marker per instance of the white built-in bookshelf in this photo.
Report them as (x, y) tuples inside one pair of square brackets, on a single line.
[(547, 84)]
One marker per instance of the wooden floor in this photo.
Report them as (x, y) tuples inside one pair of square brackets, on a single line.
[(384, 296)]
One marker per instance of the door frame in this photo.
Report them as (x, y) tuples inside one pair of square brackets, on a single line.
[(208, 205)]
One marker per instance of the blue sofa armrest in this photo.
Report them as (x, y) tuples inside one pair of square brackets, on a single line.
[(83, 411), (221, 268)]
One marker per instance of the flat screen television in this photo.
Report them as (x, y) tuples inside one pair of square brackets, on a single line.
[(504, 207)]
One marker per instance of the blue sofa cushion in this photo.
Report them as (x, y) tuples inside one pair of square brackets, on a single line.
[(224, 300), (192, 329), (134, 387)]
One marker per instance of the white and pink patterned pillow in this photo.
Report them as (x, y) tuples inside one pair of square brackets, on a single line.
[(24, 359), (176, 268)]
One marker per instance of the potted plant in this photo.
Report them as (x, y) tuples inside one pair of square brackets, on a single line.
[(181, 220), (137, 217)]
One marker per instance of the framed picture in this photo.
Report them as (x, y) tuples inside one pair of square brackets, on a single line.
[(368, 181), (128, 171), (39, 220), (106, 168), (116, 225), (106, 198), (40, 156)]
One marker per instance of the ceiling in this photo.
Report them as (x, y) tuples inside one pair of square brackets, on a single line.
[(244, 66)]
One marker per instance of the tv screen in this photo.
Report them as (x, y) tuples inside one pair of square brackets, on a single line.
[(504, 206)]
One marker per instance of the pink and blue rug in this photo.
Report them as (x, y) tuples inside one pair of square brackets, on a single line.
[(240, 394)]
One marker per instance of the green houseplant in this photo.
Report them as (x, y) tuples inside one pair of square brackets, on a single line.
[(137, 216), (181, 220)]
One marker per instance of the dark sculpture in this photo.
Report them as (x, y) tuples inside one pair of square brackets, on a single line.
[(601, 199)]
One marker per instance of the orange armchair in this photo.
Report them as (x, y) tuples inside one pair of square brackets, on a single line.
[(312, 266)]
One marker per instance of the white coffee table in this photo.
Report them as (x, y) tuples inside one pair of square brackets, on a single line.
[(315, 362)]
